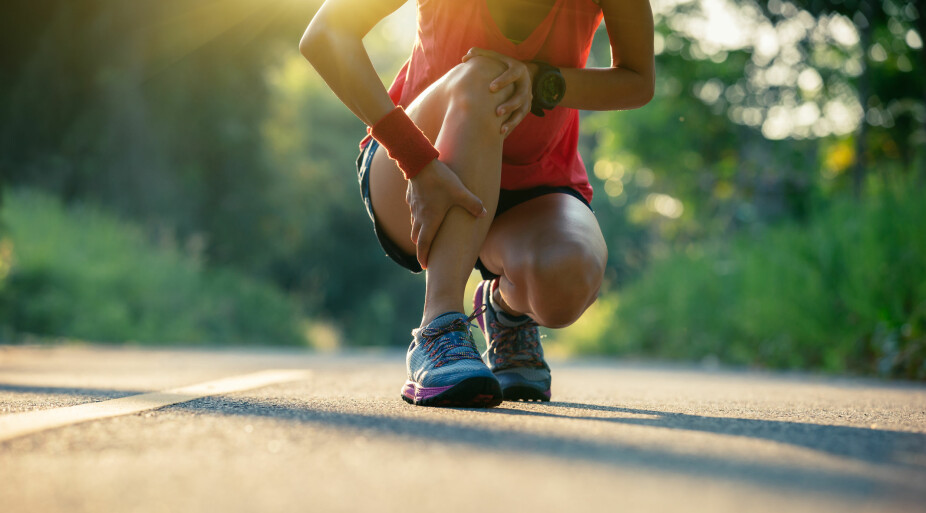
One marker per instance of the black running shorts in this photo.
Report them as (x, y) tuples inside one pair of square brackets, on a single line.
[(506, 200)]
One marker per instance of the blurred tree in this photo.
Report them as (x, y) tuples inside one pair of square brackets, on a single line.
[(200, 119), (889, 66), (320, 243), (760, 109), (768, 113)]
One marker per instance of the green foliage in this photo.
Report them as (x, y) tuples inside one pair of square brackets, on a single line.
[(748, 272), (846, 291), (318, 240), (199, 120), (78, 272)]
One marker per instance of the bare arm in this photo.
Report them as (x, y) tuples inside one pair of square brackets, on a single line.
[(627, 84), (630, 80), (333, 43)]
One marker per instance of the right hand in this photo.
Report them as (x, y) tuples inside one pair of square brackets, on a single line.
[(430, 195), (521, 74)]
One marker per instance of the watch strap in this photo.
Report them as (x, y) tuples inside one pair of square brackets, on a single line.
[(542, 98)]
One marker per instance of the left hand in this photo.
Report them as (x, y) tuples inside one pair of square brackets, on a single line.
[(430, 194), (518, 105)]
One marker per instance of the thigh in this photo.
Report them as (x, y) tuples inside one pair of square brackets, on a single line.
[(552, 224), (429, 111)]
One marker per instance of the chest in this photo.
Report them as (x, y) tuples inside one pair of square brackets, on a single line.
[(517, 19)]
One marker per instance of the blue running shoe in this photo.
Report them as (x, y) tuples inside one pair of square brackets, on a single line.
[(444, 367), (513, 351)]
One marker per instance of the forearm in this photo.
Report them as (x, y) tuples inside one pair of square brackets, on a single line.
[(606, 88), (343, 63), (629, 82), (338, 54)]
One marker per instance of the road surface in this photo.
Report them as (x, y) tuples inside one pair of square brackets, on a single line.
[(94, 429)]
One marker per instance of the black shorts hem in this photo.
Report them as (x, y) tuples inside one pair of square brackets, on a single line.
[(507, 200)]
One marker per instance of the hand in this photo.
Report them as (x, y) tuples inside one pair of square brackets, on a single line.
[(430, 194), (518, 73)]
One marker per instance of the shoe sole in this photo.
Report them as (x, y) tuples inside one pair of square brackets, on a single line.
[(526, 394), (478, 392)]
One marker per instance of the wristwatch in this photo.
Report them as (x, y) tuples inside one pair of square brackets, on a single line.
[(548, 88)]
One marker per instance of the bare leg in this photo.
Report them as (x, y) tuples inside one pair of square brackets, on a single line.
[(457, 113), (551, 255)]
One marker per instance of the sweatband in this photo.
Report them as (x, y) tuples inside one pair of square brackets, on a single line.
[(405, 143)]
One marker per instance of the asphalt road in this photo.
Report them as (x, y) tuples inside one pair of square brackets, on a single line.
[(87, 429)]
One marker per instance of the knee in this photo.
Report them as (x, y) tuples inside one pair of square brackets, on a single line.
[(564, 282), (469, 86)]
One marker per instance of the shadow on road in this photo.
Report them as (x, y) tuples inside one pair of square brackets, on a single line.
[(891, 450), (868, 445)]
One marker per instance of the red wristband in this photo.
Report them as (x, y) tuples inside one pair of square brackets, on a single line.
[(405, 143)]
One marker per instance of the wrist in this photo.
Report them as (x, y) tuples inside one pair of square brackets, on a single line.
[(547, 88), (532, 69), (422, 172), (405, 143)]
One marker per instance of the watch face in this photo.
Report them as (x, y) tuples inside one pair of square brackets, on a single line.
[(550, 88)]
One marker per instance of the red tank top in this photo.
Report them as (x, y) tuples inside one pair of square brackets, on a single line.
[(540, 151)]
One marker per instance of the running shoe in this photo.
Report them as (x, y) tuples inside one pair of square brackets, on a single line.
[(444, 367), (513, 351)]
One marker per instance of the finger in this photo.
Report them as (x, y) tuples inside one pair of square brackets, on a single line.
[(474, 52), (510, 76), (514, 103), (469, 201), (515, 120), (518, 113), (479, 52)]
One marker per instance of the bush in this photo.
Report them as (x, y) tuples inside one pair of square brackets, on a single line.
[(77, 272), (844, 292)]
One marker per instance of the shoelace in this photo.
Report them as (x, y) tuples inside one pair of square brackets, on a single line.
[(516, 345), (445, 351)]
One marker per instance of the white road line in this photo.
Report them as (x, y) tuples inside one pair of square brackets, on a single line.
[(19, 424)]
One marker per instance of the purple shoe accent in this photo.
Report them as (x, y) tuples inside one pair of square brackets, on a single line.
[(416, 393), (444, 367), (479, 301)]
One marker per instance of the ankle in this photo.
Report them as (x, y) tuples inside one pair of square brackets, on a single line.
[(432, 314)]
